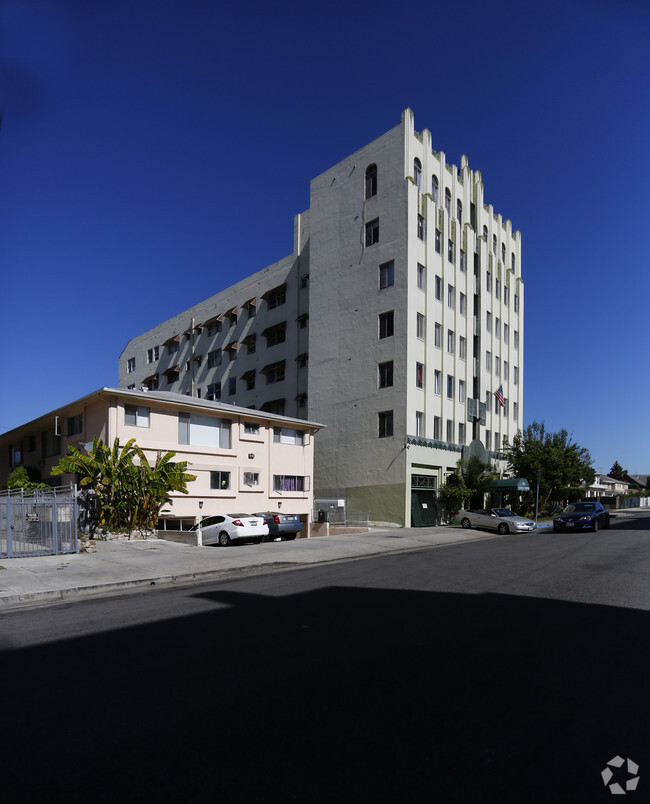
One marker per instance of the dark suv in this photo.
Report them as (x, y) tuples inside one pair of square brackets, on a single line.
[(288, 526)]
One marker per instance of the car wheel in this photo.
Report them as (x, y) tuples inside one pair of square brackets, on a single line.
[(503, 529), (556, 529), (465, 523), (224, 539), (289, 537), (596, 526)]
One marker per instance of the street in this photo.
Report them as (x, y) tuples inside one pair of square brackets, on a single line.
[(510, 669)]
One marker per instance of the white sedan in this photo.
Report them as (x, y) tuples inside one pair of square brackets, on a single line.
[(503, 520), (226, 528)]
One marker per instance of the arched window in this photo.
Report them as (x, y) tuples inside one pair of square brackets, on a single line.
[(371, 181), (448, 201), (503, 253), (494, 245), (485, 233), (459, 212), (417, 173), (512, 260), (434, 188)]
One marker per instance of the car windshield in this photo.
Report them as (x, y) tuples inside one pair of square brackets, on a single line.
[(239, 516), (503, 512), (579, 508)]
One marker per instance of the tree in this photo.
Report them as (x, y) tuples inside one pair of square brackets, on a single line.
[(617, 471), (477, 476), (129, 495), (558, 461), (25, 478)]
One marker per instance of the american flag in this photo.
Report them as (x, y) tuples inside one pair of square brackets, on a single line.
[(499, 395)]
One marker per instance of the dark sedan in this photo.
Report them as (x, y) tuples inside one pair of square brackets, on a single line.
[(582, 516), (288, 526)]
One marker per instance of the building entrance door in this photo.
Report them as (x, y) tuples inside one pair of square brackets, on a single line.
[(424, 508)]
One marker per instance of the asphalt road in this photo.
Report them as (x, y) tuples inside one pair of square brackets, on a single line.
[(510, 669)]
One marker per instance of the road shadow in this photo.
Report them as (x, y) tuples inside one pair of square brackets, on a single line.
[(338, 694)]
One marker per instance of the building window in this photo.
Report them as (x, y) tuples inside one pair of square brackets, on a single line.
[(488, 282), (250, 428), (461, 433), (372, 232), (512, 261), (276, 297), (438, 288), (461, 390), (503, 254), (459, 212), (450, 386), (220, 480), (451, 250), (421, 227), (290, 483), (385, 374), (437, 427), (251, 344), (213, 391), (497, 290), (448, 201), (419, 423), (437, 380), (232, 316), (506, 296), (488, 440), (232, 386), (203, 431), (302, 320), (214, 358), (417, 173), (276, 334), (385, 423), (130, 365), (386, 324), (463, 261), (516, 339), (252, 309), (214, 327), (494, 245), (488, 322), (371, 181), (506, 333), (75, 424), (451, 296), (421, 277), (505, 406), (516, 302), (251, 478), (450, 431), (462, 348), (497, 365), (434, 188), (497, 439), (232, 352), (505, 370), (451, 341), (289, 435), (437, 335), (304, 281), (463, 304), (136, 416), (497, 327), (153, 354), (419, 375), (515, 410), (488, 361), (274, 373), (420, 326), (515, 377), (386, 274), (249, 378), (438, 241)]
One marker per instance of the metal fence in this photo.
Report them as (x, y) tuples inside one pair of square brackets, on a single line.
[(335, 512), (42, 522)]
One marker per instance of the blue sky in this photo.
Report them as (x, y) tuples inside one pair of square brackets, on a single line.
[(155, 152)]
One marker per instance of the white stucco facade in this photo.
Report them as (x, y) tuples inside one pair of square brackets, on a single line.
[(402, 314)]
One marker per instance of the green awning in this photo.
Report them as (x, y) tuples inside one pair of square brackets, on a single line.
[(511, 484)]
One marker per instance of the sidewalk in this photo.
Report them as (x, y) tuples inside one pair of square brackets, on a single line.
[(135, 565)]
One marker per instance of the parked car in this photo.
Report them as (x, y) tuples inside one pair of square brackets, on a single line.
[(288, 526), (503, 520), (226, 528), (582, 516)]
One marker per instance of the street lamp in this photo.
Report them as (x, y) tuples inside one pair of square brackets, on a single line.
[(199, 530)]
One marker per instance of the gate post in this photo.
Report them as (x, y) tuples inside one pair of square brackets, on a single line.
[(55, 524)]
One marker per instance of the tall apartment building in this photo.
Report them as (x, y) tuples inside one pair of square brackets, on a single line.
[(397, 321)]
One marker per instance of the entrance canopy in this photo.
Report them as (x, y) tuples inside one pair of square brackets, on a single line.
[(519, 484)]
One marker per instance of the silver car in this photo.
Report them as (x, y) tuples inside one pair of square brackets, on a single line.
[(503, 520)]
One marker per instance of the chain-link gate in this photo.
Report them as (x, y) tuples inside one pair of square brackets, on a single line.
[(42, 522)]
